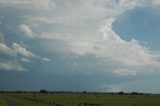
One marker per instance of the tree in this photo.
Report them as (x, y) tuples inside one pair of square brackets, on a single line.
[(43, 91), (134, 93), (121, 93)]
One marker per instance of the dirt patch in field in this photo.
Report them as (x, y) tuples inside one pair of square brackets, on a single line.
[(11, 102)]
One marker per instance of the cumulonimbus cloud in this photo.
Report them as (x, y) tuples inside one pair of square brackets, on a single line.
[(129, 54)]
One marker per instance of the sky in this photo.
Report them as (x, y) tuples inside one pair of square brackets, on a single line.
[(80, 45)]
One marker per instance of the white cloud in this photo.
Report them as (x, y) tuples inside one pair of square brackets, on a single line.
[(155, 2), (130, 55), (40, 19), (108, 33), (127, 54), (46, 59), (6, 50), (55, 36), (68, 31), (23, 51), (15, 50), (125, 72), (26, 30), (10, 66), (28, 4), (25, 60), (93, 11), (44, 4), (112, 88), (75, 64), (3, 47)]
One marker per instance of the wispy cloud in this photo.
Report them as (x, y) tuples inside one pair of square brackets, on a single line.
[(12, 66), (28, 4), (17, 51)]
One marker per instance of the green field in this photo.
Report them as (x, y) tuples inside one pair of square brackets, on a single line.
[(2, 101), (85, 99)]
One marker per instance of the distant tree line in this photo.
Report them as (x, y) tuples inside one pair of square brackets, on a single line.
[(83, 92)]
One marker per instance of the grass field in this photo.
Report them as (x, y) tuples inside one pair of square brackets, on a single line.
[(85, 99), (2, 101)]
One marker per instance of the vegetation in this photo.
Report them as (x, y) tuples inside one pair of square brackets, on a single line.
[(2, 101), (45, 98), (31, 103)]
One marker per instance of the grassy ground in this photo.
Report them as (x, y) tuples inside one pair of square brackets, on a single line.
[(20, 100), (74, 99), (31, 103), (2, 102)]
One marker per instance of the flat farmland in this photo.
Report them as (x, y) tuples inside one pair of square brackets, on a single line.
[(77, 99)]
